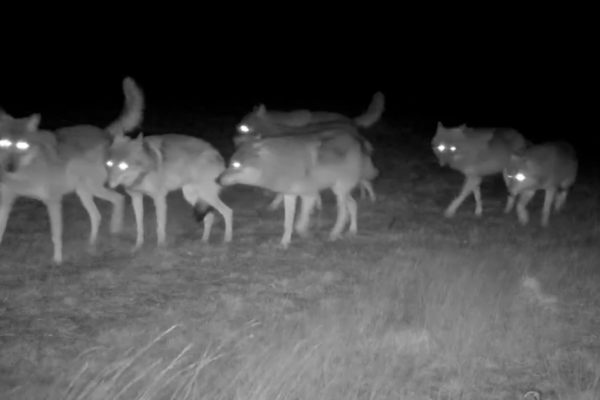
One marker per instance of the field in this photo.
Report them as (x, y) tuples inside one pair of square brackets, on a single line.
[(415, 306)]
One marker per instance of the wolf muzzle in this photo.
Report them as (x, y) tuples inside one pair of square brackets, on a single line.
[(10, 164), (222, 179)]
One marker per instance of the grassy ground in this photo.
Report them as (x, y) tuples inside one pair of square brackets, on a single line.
[(415, 307)]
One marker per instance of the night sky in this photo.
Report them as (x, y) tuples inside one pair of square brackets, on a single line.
[(538, 83)]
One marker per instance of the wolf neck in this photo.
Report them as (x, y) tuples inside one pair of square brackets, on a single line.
[(139, 180), (155, 153)]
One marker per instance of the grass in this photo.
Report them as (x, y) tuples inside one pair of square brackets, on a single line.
[(415, 307)]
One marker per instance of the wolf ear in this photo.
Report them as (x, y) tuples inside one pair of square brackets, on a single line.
[(261, 110), (155, 149), (139, 140), (120, 139), (33, 122), (515, 158)]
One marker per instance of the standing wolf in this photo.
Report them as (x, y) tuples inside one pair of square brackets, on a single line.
[(262, 123), (157, 165), (476, 153), (48, 165), (551, 167), (301, 166)]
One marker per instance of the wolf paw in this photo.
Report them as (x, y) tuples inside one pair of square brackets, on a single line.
[(92, 248), (303, 232), (334, 236), (116, 227), (523, 221), (449, 213), (284, 244)]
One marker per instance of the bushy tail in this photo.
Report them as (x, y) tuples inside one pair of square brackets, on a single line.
[(373, 113), (201, 209), (133, 110)]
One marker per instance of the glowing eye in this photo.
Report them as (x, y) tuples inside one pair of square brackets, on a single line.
[(441, 148), (520, 177), (244, 128), (22, 145), (5, 143), (453, 148), (123, 165), (236, 164), (110, 163)]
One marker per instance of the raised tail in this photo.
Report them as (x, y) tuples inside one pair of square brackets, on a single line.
[(373, 113), (133, 110)]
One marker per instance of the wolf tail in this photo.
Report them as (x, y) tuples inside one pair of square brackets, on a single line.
[(201, 209), (133, 110), (373, 113)]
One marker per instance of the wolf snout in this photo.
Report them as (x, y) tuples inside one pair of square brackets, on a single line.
[(112, 183), (221, 179)]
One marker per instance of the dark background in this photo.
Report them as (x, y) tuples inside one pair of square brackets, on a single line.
[(533, 73)]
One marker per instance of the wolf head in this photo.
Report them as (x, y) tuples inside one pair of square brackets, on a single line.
[(446, 143), (254, 125), (18, 144), (129, 160), (451, 145), (245, 166), (520, 174)]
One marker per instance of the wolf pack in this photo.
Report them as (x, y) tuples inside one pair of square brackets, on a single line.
[(296, 155)]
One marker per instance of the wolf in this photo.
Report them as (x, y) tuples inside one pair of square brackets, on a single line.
[(157, 165), (262, 123), (551, 167), (476, 153), (302, 166), (47, 165)]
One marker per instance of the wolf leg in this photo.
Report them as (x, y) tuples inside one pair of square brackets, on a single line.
[(510, 203), (88, 203), (471, 182), (137, 201), (342, 214), (160, 205), (54, 207), (289, 205), (548, 200), (210, 195), (118, 202), (7, 199), (308, 204), (561, 198), (274, 205), (352, 210), (524, 199), (366, 188)]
